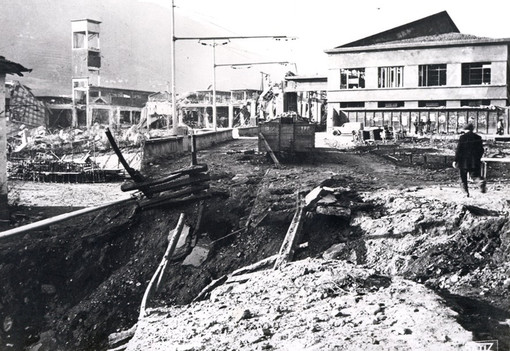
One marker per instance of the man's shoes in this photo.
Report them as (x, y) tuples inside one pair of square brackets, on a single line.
[(465, 191)]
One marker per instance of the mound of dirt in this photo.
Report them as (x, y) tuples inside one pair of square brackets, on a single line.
[(310, 304)]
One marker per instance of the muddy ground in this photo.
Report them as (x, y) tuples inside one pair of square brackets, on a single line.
[(69, 287)]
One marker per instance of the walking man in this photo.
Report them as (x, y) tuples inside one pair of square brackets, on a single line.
[(468, 157)]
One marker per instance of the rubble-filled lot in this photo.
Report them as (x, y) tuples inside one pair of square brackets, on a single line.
[(403, 221)]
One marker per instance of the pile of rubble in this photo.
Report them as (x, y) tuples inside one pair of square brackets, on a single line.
[(70, 139), (311, 304)]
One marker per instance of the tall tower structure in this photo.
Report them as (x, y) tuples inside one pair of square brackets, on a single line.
[(86, 64)]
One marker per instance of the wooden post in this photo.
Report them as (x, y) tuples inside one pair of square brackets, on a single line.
[(194, 161), (292, 238), (268, 148), (230, 115), (4, 206)]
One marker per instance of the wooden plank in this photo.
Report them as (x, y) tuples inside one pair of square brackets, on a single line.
[(292, 238), (210, 287), (173, 195), (160, 268), (268, 148), (200, 178), (172, 175), (180, 201), (133, 173), (262, 264)]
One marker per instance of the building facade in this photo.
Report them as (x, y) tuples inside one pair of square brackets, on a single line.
[(412, 75), (306, 95)]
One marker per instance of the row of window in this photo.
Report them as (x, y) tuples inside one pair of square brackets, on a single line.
[(475, 73), (425, 103)]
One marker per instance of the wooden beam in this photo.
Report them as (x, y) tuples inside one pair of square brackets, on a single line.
[(134, 174), (268, 148), (173, 175), (292, 238), (173, 195)]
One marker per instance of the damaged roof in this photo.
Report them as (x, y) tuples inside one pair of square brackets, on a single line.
[(432, 31), (9, 67), (447, 39), (438, 23)]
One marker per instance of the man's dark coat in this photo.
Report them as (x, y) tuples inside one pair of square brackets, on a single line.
[(469, 151)]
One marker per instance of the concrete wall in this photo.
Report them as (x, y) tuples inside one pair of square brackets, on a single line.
[(162, 147), (411, 59), (175, 145), (4, 210), (248, 131)]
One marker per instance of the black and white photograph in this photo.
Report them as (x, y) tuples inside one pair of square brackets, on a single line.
[(224, 175)]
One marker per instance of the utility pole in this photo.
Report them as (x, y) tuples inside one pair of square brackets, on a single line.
[(174, 102), (214, 44)]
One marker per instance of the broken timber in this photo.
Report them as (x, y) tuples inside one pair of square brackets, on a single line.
[(133, 173), (292, 238), (268, 148), (194, 169)]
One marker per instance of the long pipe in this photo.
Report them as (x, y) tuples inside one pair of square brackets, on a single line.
[(161, 267), (53, 220)]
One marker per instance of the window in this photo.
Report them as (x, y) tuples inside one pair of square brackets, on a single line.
[(476, 73), (432, 103), (391, 77), (352, 78), (390, 104), (432, 75), (475, 103), (93, 42), (94, 59), (78, 40), (352, 104)]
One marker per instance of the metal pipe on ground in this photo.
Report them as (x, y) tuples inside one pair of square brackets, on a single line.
[(60, 218)]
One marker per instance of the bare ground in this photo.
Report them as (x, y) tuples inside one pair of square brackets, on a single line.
[(92, 272)]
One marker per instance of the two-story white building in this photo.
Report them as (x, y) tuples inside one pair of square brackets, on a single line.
[(422, 72)]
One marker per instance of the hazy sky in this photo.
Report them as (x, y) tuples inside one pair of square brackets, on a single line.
[(135, 37), (324, 24)]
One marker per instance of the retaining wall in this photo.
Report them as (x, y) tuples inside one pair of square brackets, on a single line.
[(248, 131), (174, 145)]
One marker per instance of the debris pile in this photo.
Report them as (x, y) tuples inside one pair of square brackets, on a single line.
[(310, 304), (48, 167), (170, 189), (331, 201)]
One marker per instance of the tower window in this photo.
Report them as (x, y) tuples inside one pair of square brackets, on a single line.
[(79, 40)]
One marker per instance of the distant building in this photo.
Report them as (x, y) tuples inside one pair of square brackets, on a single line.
[(422, 73), (6, 67), (306, 95), (92, 103), (22, 107), (234, 108)]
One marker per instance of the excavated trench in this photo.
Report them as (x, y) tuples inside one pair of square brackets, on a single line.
[(69, 287)]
